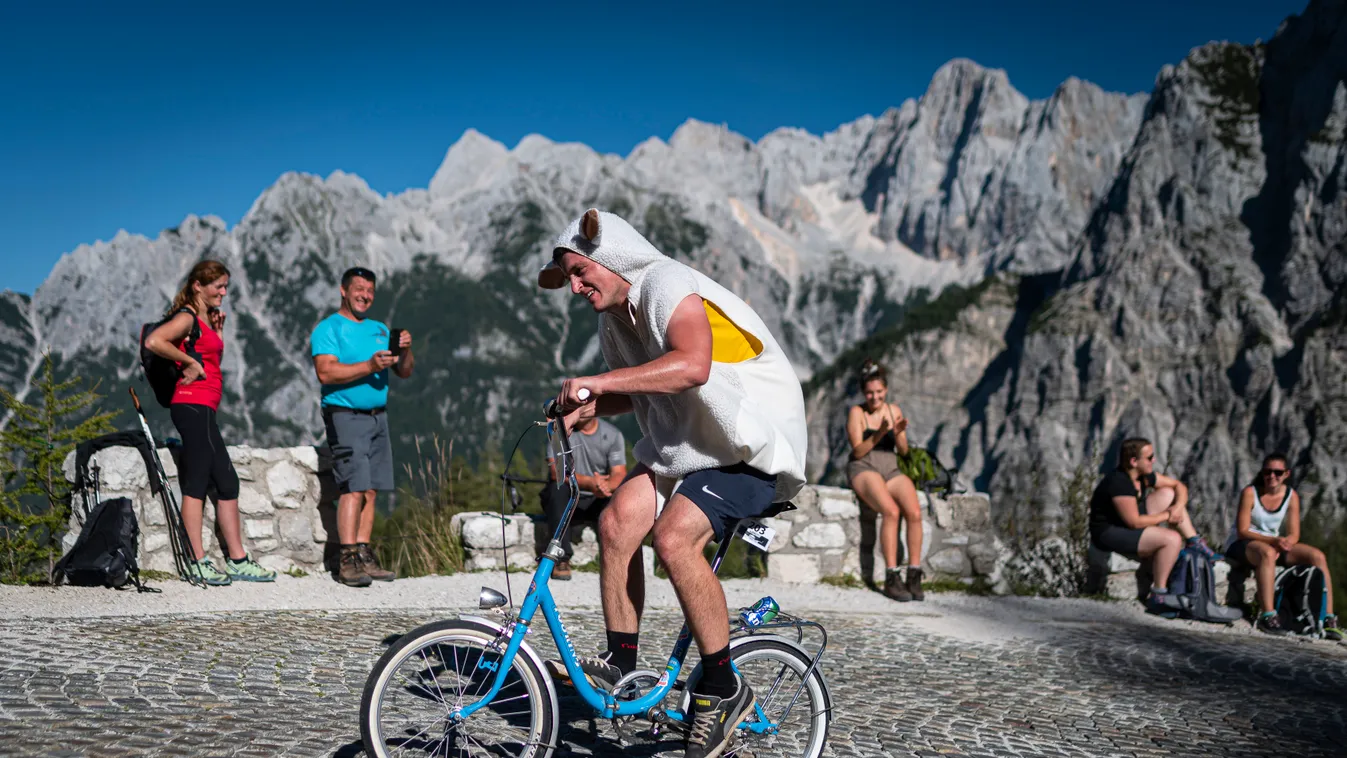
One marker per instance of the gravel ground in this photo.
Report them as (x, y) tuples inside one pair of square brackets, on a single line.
[(272, 670), (966, 617)]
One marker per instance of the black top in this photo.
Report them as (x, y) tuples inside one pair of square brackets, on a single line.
[(1116, 483), (888, 442)]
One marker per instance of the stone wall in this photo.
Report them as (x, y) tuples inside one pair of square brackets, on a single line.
[(279, 495), (829, 534), (286, 496)]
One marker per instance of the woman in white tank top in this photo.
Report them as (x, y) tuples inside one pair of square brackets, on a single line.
[(1266, 534)]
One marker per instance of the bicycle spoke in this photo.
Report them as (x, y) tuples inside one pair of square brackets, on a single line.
[(434, 677)]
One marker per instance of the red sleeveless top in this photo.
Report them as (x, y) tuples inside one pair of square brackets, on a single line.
[(206, 391)]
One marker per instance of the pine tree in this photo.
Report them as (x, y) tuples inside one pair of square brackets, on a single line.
[(35, 504)]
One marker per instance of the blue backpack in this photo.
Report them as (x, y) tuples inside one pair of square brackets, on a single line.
[(1299, 600), (1193, 584)]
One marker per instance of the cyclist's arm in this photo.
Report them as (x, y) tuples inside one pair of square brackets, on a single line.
[(686, 365)]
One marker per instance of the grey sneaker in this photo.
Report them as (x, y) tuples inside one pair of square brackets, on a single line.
[(209, 574), (598, 671), (715, 719)]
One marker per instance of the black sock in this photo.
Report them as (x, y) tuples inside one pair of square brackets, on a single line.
[(622, 645), (718, 679)]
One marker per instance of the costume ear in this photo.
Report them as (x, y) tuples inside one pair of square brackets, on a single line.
[(589, 225)]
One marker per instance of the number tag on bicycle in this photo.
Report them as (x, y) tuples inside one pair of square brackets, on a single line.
[(759, 535)]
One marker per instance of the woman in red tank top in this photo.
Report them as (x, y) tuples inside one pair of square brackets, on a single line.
[(196, 344)]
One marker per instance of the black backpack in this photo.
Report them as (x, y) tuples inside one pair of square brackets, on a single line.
[(1299, 600), (104, 555), (1193, 584), (160, 372)]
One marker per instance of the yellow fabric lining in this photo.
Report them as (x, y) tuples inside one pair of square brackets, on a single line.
[(729, 342)]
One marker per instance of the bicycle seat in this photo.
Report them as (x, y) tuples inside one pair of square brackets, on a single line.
[(777, 509)]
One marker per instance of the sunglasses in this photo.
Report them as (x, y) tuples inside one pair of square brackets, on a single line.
[(1275, 472), (363, 273)]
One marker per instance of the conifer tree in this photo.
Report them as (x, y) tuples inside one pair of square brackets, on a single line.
[(35, 502)]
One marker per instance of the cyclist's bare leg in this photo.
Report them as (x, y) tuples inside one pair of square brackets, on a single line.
[(681, 534), (623, 524), (870, 486), (904, 493)]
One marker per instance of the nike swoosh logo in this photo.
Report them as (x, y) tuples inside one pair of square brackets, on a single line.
[(712, 494)]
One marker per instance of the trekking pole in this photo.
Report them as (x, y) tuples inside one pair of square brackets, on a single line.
[(177, 533)]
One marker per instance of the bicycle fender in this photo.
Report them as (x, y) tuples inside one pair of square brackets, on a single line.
[(527, 650)]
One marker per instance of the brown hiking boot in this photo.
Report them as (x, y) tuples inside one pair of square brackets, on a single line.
[(893, 587), (352, 570), (914, 583), (562, 571), (371, 565)]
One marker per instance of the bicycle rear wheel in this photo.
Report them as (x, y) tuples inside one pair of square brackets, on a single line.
[(404, 710), (775, 671)]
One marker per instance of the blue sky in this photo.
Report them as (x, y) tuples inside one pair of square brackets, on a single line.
[(132, 115)]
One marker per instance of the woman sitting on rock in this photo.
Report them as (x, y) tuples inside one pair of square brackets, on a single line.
[(1268, 509), (878, 434), (196, 344)]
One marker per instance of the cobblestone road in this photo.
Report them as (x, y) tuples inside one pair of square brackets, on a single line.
[(268, 684)]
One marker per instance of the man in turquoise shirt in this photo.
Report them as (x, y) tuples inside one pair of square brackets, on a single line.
[(352, 360)]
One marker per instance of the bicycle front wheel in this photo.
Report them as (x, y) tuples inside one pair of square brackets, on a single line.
[(777, 727), (433, 669)]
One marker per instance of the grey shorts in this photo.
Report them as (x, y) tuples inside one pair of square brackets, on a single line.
[(882, 462), (362, 453)]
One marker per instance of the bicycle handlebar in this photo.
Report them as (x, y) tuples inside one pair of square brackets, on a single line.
[(552, 411)]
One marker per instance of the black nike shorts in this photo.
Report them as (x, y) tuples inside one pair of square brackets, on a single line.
[(728, 494)]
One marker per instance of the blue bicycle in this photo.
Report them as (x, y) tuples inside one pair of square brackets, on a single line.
[(473, 687)]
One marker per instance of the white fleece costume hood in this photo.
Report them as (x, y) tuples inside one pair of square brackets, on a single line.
[(751, 411)]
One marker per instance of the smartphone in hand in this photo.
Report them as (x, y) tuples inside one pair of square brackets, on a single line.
[(395, 337)]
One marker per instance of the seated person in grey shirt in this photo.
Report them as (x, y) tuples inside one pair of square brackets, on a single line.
[(600, 465)]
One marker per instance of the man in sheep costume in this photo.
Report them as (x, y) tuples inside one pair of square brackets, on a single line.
[(722, 420)]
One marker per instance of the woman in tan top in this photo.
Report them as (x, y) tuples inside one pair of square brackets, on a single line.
[(878, 434)]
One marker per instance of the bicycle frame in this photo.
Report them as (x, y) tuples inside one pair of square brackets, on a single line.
[(540, 596)]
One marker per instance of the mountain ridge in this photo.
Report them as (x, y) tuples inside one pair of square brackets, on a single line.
[(1033, 210)]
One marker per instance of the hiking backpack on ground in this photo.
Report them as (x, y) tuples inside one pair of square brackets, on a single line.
[(1193, 584), (160, 372), (1299, 600), (105, 553)]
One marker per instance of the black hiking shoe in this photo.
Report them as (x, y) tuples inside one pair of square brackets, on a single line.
[(914, 583), (598, 671), (1271, 624), (715, 720), (1162, 604), (894, 588)]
